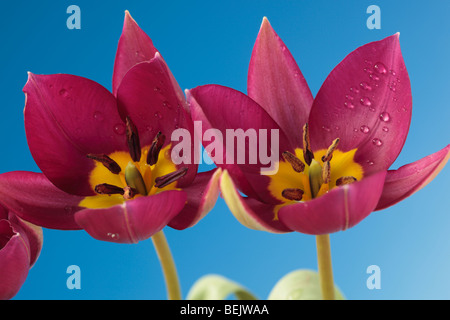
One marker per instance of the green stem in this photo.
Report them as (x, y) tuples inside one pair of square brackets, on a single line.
[(325, 266), (167, 265)]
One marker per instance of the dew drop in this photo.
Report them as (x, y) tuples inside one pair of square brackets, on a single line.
[(98, 116), (349, 105), (385, 116), (158, 115), (114, 236), (364, 129), (370, 162), (365, 101), (365, 86), (392, 72), (374, 77), (157, 89), (68, 209), (385, 129), (377, 142), (348, 97), (63, 92), (327, 129), (380, 68), (119, 128)]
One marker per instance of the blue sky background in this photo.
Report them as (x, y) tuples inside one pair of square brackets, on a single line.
[(211, 42)]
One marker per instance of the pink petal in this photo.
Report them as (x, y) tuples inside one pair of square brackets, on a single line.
[(14, 260), (202, 195), (410, 178), (134, 47), (239, 177), (32, 197), (277, 84), (135, 220), (339, 209), (226, 109), (32, 234), (250, 212), (366, 102), (66, 118), (149, 96)]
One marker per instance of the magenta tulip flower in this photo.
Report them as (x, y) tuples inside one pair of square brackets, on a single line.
[(335, 149), (20, 246), (106, 158)]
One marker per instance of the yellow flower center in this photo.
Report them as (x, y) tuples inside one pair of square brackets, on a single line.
[(341, 165), (100, 175), (122, 176)]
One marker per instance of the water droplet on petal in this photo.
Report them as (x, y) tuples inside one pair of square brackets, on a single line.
[(364, 129), (380, 68), (385, 129), (158, 115), (327, 129), (119, 128), (349, 105), (98, 116), (385, 116), (365, 101), (365, 86), (374, 77), (377, 142), (113, 236)]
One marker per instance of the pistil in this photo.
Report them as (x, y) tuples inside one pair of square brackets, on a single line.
[(315, 177), (134, 179)]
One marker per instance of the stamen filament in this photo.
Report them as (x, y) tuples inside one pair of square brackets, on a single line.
[(129, 193)]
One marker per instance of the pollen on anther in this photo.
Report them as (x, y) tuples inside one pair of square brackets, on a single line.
[(295, 162), (345, 180), (307, 152), (292, 194)]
